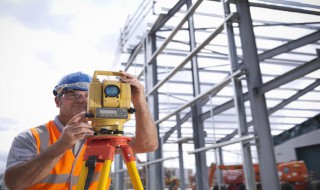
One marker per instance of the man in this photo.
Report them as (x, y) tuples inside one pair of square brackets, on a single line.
[(48, 156)]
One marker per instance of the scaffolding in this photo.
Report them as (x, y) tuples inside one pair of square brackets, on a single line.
[(221, 78)]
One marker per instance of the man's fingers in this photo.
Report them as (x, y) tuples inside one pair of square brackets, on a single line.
[(76, 118), (81, 127), (84, 128), (130, 79), (126, 75)]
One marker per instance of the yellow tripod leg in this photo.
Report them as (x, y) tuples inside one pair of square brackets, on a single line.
[(130, 160), (104, 176), (109, 183), (82, 177), (134, 175)]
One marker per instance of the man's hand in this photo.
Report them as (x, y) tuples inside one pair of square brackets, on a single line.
[(75, 130), (146, 139), (137, 89), (36, 169)]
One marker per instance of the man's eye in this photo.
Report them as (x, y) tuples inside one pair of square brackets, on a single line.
[(71, 94)]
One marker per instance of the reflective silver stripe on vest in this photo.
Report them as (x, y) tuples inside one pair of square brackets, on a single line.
[(56, 178), (44, 137), (74, 179)]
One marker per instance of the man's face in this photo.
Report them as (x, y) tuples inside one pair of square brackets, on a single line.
[(72, 102)]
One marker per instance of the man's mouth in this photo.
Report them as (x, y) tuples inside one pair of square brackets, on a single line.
[(80, 107)]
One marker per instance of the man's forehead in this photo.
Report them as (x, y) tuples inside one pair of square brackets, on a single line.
[(76, 90)]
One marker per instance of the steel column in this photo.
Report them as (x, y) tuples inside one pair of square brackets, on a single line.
[(155, 171), (267, 162), (197, 125), (180, 149), (118, 176), (239, 102)]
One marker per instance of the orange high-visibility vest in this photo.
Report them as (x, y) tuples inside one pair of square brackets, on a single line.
[(65, 173)]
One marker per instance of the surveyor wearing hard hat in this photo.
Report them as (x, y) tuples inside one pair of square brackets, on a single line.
[(50, 156)]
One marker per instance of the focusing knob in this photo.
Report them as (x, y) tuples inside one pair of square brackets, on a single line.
[(89, 115), (131, 110)]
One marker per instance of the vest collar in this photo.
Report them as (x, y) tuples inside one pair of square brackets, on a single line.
[(58, 123)]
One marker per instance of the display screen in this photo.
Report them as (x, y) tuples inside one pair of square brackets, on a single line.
[(112, 113), (112, 91), (105, 111)]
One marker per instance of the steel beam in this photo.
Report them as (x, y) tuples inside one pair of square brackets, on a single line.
[(291, 75), (218, 145), (173, 32), (164, 18), (266, 87), (214, 90), (313, 37), (294, 97), (193, 53)]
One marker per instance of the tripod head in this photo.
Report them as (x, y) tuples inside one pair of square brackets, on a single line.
[(108, 104)]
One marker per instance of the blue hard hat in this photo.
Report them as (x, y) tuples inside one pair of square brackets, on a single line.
[(73, 81)]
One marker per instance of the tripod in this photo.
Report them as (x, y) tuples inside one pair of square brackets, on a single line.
[(102, 149)]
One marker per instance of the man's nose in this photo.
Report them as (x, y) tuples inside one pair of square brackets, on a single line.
[(82, 97)]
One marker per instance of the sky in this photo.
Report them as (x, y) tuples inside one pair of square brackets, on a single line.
[(40, 42)]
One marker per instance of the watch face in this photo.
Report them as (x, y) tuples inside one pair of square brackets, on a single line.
[(112, 91)]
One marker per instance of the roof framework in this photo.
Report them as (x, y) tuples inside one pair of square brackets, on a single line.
[(221, 78)]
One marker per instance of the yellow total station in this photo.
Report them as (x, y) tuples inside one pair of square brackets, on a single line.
[(109, 104), (108, 109)]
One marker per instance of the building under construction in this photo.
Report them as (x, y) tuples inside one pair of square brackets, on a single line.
[(233, 86)]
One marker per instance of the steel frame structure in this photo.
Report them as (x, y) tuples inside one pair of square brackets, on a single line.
[(176, 49)]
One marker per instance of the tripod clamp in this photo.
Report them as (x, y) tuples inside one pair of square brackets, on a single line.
[(91, 165)]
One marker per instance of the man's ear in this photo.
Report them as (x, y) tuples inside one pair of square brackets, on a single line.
[(57, 101)]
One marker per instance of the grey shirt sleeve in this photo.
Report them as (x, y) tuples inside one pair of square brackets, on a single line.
[(23, 148)]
